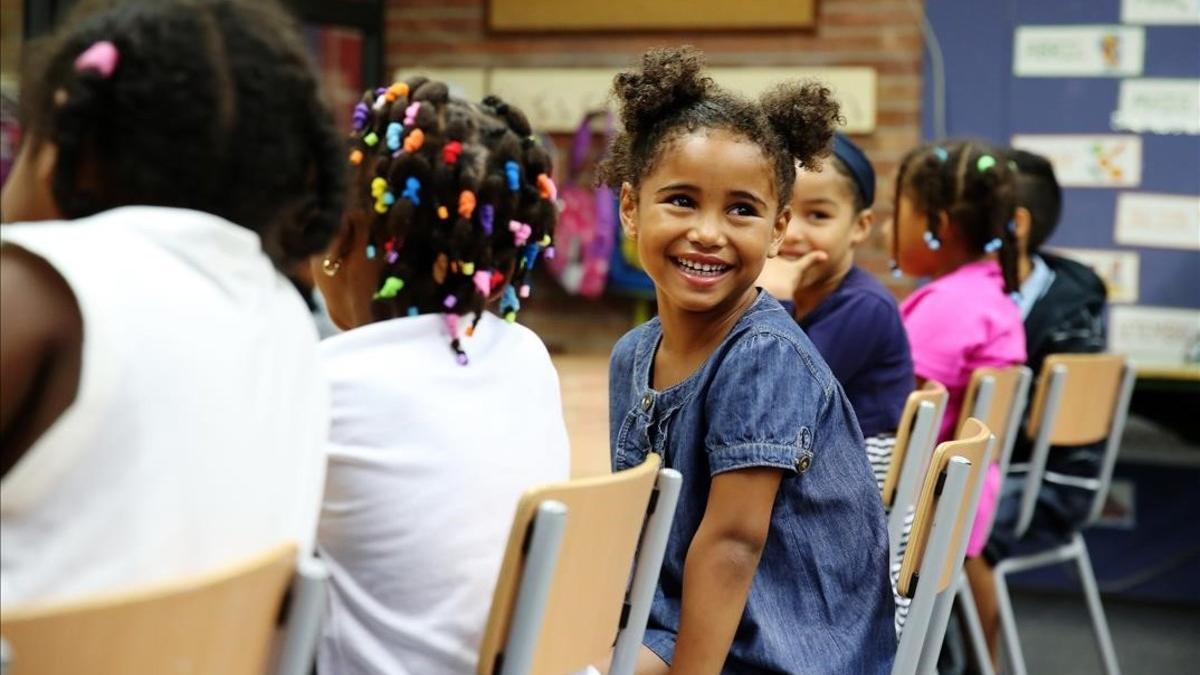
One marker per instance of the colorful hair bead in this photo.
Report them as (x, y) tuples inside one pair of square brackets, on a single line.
[(932, 241), (521, 232), (547, 188), (985, 162), (1011, 227), (513, 171), (467, 267), (940, 153), (410, 113), (451, 152), (483, 282), (466, 204), (530, 256), (414, 141), (895, 267), (356, 157), (370, 251), (450, 302), (394, 131), (993, 245), (396, 91), (390, 252), (549, 253), (413, 311), (412, 190), (378, 187), (380, 101), (101, 57), (524, 292), (443, 213), (544, 241), (391, 286), (371, 139), (487, 218), (509, 304), (360, 115)]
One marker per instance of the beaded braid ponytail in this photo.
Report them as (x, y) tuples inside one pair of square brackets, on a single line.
[(462, 202), (974, 184)]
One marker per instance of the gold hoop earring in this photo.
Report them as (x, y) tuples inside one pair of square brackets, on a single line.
[(331, 267)]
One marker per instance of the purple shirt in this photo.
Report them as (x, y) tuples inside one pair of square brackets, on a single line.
[(857, 330)]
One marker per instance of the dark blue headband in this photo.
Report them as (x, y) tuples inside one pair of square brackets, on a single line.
[(860, 167)]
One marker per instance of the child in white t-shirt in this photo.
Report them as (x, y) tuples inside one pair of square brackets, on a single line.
[(443, 413)]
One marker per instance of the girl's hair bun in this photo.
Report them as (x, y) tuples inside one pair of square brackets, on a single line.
[(804, 114), (670, 79)]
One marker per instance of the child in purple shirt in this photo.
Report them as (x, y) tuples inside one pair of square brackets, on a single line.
[(849, 316)]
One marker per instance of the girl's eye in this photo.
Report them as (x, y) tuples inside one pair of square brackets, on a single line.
[(818, 215), (745, 210), (682, 201)]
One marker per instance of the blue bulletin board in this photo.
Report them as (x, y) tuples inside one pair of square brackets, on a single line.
[(985, 98)]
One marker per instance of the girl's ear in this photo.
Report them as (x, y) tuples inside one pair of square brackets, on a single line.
[(629, 211), (1023, 221), (860, 229), (779, 230), (945, 230)]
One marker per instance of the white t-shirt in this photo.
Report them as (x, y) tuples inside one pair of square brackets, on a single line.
[(195, 438), (427, 460)]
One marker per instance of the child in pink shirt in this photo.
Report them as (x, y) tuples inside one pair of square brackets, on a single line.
[(954, 210)]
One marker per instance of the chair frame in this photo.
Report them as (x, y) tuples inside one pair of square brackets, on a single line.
[(303, 605), (1076, 549), (911, 453), (981, 393), (949, 480), (544, 536)]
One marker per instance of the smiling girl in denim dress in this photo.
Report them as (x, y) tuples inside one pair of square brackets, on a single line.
[(778, 553)]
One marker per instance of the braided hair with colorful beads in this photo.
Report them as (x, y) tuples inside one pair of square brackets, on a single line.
[(973, 183), (462, 202)]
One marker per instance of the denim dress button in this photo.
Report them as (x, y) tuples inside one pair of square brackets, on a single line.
[(647, 401), (802, 463)]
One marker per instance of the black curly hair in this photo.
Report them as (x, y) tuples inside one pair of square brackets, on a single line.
[(461, 197), (670, 96), (213, 106), (974, 184)]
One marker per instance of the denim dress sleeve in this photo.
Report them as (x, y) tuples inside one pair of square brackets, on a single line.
[(757, 415)]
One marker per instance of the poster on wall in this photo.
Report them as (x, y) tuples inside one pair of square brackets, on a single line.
[(1164, 12), (1078, 51), (1158, 106), (1158, 220), (1102, 160), (1120, 270), (1155, 335)]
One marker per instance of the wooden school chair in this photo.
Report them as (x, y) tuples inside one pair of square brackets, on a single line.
[(919, 425), (218, 622), (996, 396), (942, 521), (1080, 399), (564, 591)]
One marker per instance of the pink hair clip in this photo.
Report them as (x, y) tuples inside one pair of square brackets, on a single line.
[(102, 57), (521, 232), (410, 113)]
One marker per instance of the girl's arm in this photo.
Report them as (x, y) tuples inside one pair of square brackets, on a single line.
[(720, 565), (41, 341)]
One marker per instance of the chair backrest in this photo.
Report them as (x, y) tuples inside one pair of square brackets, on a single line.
[(997, 397), (604, 516), (220, 622), (974, 445), (944, 513), (1080, 399), (936, 396)]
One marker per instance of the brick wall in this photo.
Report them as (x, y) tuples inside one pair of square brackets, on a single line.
[(881, 34)]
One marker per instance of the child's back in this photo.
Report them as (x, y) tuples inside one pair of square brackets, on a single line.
[(427, 462), (162, 406), (765, 398)]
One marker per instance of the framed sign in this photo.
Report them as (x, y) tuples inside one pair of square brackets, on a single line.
[(625, 15)]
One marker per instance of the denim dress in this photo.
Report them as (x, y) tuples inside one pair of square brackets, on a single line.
[(820, 601)]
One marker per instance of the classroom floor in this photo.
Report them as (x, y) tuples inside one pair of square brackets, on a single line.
[(1055, 631)]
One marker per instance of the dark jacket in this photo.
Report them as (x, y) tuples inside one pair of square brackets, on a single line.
[(1069, 317)]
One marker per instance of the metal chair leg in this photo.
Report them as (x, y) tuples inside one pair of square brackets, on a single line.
[(1012, 660), (1099, 623), (974, 629)]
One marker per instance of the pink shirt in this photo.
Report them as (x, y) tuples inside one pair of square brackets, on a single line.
[(961, 322)]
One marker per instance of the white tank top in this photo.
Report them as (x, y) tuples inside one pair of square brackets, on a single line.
[(196, 435)]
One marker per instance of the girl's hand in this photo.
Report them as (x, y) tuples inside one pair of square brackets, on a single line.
[(781, 277)]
